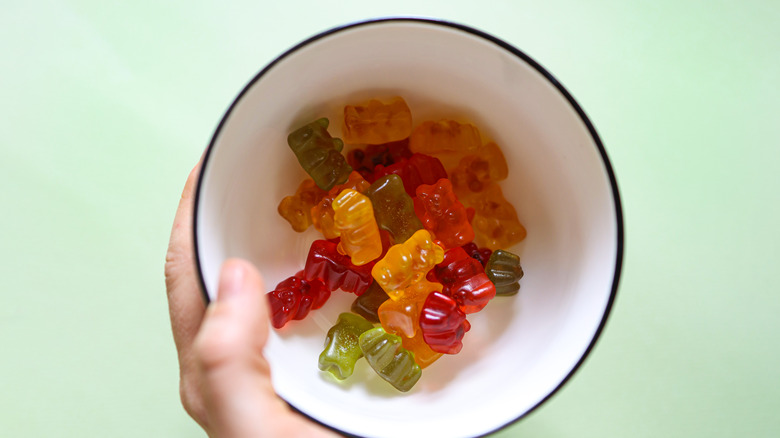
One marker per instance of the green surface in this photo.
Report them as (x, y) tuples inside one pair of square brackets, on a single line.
[(105, 107)]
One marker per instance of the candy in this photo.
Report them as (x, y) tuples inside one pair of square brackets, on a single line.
[(481, 255), (319, 154), (442, 214), (296, 209), (365, 160), (495, 220), (294, 297), (354, 220), (375, 122), (393, 208), (407, 263), (443, 324), (432, 137), (367, 304), (322, 213), (419, 245), (474, 171), (400, 316), (342, 347), (464, 280), (392, 362), (335, 270), (418, 169), (423, 354), (447, 140), (504, 270)]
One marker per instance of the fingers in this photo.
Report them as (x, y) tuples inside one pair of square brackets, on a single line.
[(179, 264), (185, 303), (184, 300)]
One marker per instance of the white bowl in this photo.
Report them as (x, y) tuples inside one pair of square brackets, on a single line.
[(520, 349)]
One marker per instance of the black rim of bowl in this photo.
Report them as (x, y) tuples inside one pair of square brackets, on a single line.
[(528, 60)]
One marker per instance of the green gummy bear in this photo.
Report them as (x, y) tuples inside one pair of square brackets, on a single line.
[(342, 349), (503, 269), (320, 154), (393, 208), (392, 362)]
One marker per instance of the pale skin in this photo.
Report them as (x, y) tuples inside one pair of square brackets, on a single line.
[(225, 381)]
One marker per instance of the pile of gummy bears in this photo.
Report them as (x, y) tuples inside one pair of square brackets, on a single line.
[(401, 233)]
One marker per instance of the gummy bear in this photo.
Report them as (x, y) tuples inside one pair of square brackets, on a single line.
[(365, 160), (481, 255), (442, 214), (393, 363), (447, 140), (367, 304), (474, 171), (294, 297), (375, 122), (495, 220), (342, 348), (336, 270), (322, 213), (393, 208), (319, 154), (423, 353), (406, 263), (400, 317), (443, 324), (464, 280), (296, 209), (354, 220), (418, 169), (504, 270)]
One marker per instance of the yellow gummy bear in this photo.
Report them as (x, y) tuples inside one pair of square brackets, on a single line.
[(406, 263), (354, 219), (375, 122), (322, 211)]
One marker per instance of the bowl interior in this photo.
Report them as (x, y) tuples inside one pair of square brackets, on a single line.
[(520, 349)]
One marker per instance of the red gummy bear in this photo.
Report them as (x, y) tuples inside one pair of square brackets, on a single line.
[(464, 280), (443, 324), (442, 214), (294, 298), (336, 270), (481, 255), (418, 169), (364, 161)]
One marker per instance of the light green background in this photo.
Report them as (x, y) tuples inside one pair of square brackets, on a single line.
[(105, 107)]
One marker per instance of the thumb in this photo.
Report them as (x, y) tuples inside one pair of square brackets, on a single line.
[(235, 377)]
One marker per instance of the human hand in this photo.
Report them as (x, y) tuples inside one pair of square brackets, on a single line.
[(225, 382)]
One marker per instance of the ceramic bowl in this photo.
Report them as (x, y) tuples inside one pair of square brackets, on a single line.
[(520, 349)]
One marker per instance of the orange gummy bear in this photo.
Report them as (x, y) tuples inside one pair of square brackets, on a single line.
[(495, 221), (474, 171), (400, 316), (375, 122), (296, 209), (447, 140), (423, 354)]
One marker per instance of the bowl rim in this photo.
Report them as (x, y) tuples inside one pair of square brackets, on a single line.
[(514, 51)]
